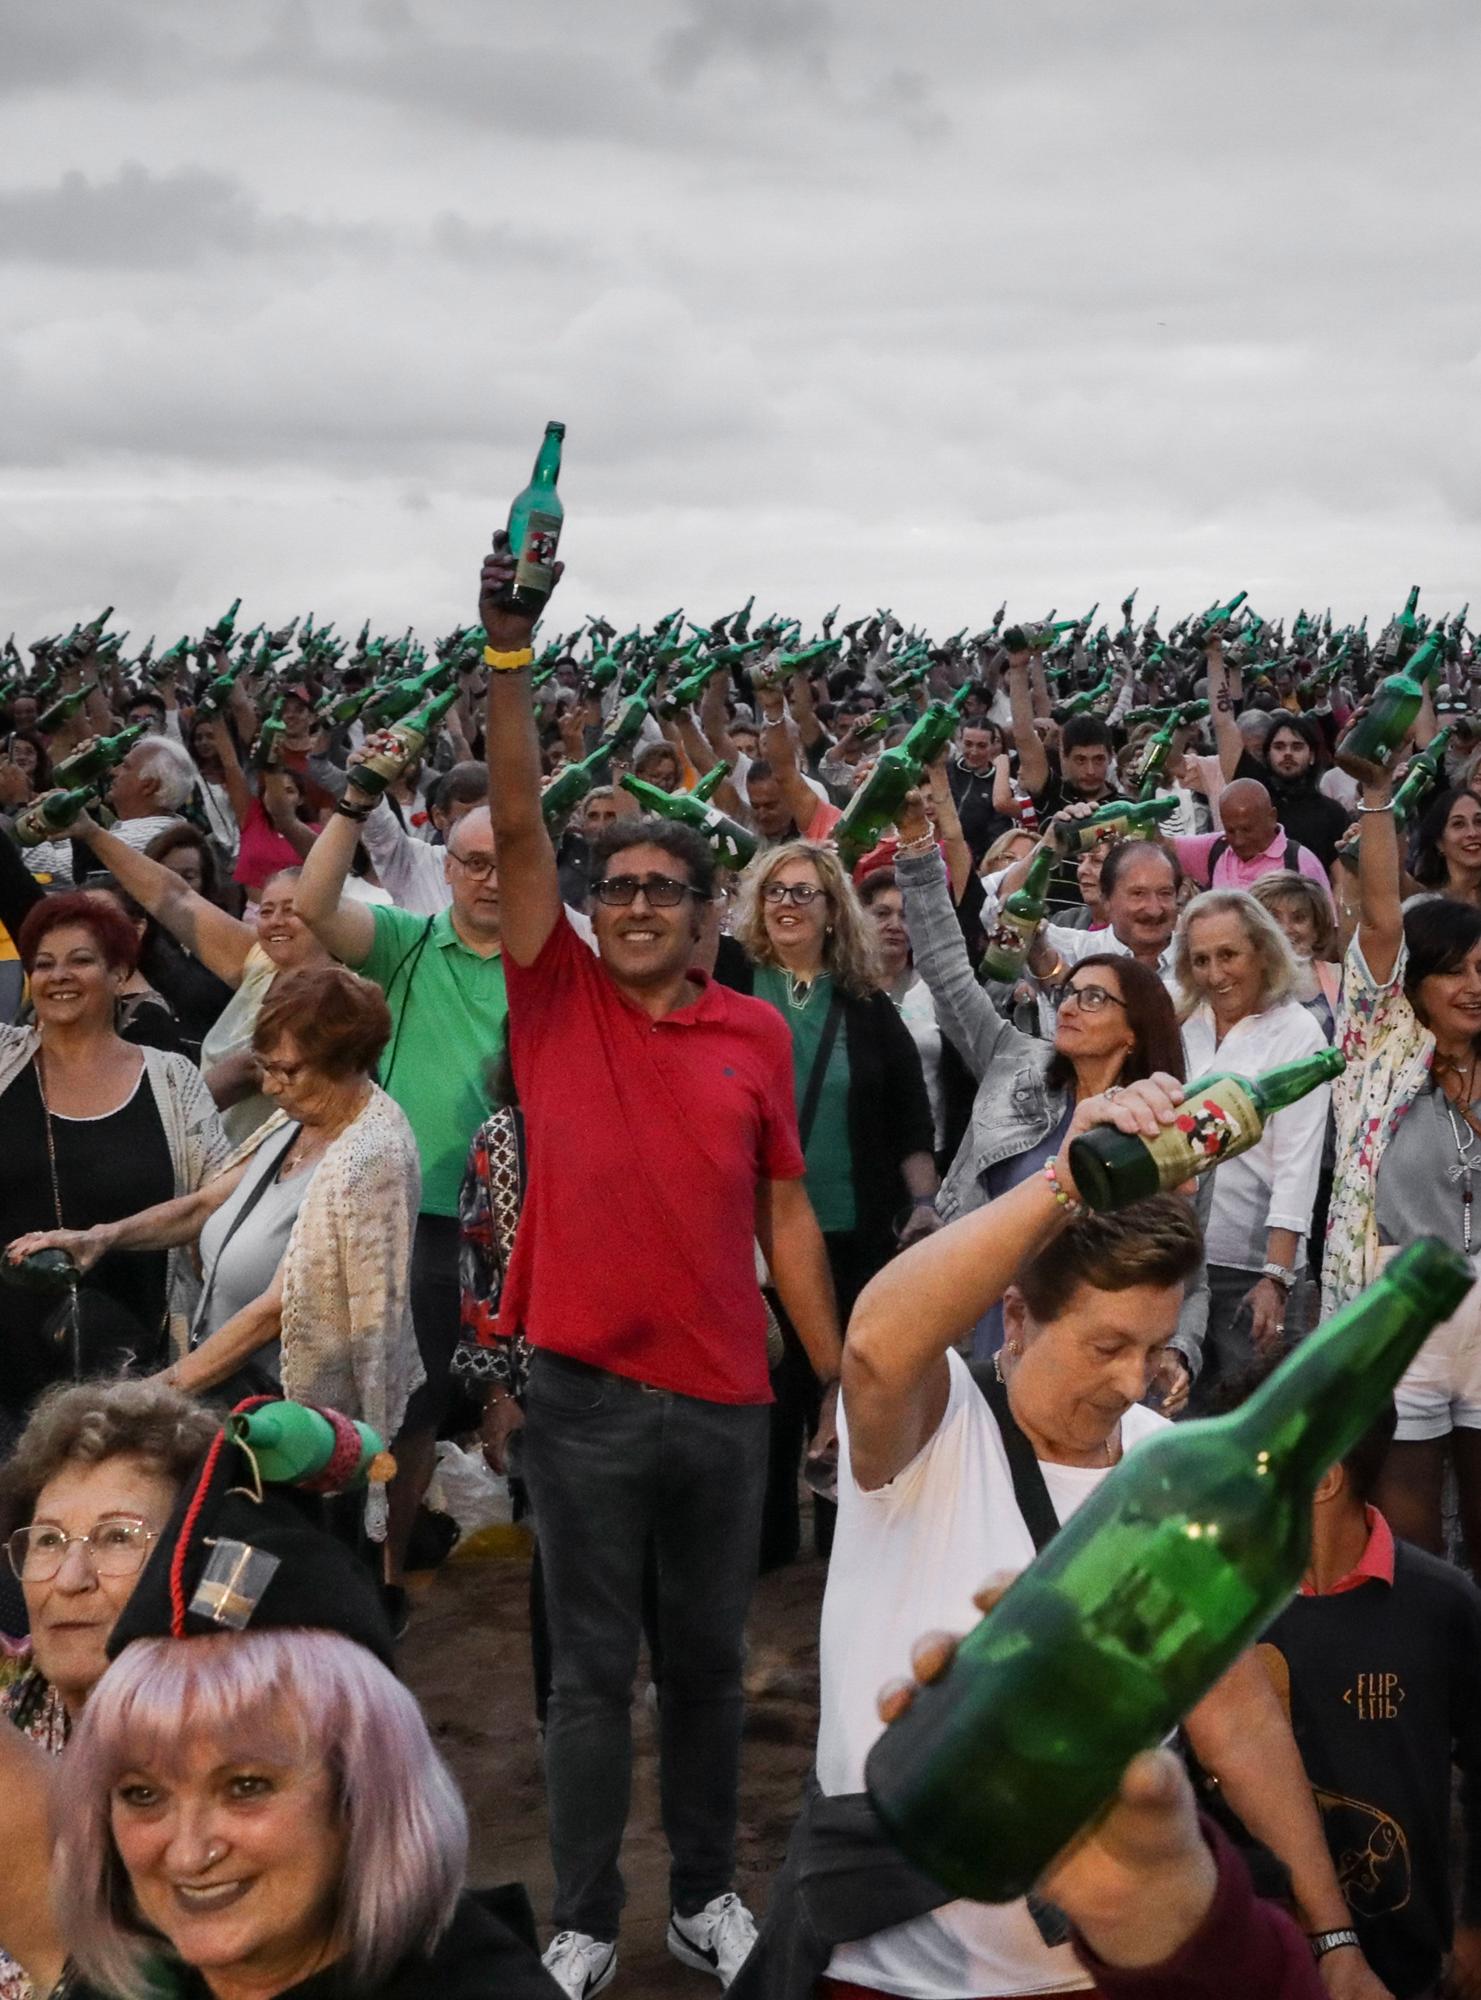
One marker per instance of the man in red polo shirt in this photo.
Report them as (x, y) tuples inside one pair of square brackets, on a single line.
[(662, 1143)]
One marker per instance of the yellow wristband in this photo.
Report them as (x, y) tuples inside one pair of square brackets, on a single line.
[(508, 663)]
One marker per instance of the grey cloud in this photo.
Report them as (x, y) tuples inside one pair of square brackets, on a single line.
[(137, 220), (768, 35), (59, 47), (141, 221)]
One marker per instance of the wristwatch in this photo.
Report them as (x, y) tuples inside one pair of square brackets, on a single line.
[(1279, 1275), (1322, 1942)]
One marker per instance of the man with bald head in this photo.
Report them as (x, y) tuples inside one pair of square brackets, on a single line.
[(1253, 844), (443, 978)]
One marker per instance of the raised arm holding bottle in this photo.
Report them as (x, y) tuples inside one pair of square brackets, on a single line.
[(598, 1042), (1090, 1308), (1407, 1112)]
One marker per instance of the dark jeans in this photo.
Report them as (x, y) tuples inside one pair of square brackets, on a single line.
[(434, 1317), (613, 1468), (1228, 1345), (852, 1262)]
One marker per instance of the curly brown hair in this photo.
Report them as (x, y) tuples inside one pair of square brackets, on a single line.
[(86, 1423)]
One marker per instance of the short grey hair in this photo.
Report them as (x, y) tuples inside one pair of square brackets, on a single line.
[(172, 769), (1279, 972)]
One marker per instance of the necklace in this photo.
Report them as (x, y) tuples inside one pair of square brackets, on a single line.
[(800, 990), (1464, 1139)]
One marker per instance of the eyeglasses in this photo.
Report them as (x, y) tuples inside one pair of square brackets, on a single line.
[(479, 866), (116, 1546), (281, 1072), (1092, 999), (661, 892), (800, 893)]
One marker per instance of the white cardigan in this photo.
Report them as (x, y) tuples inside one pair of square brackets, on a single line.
[(347, 1338)]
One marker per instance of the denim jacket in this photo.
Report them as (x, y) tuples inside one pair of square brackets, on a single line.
[(1014, 1108)]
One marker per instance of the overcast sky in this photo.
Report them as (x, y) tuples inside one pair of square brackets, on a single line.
[(922, 305)]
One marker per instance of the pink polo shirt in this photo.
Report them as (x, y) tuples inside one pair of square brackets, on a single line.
[(1229, 872)]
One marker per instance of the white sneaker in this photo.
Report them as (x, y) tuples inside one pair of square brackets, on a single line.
[(580, 1965), (716, 1939)]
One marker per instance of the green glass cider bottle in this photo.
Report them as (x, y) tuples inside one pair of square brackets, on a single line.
[(1217, 617), (64, 708), (1118, 819), (1420, 779), (226, 624), (96, 755), (42, 1271), (1174, 1565), (1221, 1116), (1375, 737), (290, 1442), (386, 705), (1153, 760), (535, 520), (571, 783), (1010, 939), (382, 767), (51, 815), (630, 718), (734, 847), (874, 805)]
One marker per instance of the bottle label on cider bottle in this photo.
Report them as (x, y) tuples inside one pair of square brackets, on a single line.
[(1212, 1123), (1008, 945), (535, 571)]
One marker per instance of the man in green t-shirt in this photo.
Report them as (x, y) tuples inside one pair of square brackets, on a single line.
[(443, 978)]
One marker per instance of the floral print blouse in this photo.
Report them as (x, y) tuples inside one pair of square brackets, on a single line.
[(1389, 1052), (31, 1704)]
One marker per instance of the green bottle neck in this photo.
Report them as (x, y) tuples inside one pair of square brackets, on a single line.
[(548, 460), (1036, 882), (1290, 1081), (1327, 1393)]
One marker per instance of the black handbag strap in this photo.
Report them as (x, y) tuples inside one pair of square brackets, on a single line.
[(808, 1110), (1042, 1523), (1029, 1489), (271, 1162)]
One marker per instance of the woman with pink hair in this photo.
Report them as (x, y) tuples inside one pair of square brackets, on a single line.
[(251, 1804)]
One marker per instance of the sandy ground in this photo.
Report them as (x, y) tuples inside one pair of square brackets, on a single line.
[(467, 1658)]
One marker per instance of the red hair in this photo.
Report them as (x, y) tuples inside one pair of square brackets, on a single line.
[(112, 932)]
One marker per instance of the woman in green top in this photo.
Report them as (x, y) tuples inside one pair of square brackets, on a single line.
[(803, 944)]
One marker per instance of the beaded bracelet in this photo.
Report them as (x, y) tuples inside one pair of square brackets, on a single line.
[(1072, 1208)]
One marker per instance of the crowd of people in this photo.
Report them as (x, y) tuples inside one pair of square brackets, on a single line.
[(601, 1047)]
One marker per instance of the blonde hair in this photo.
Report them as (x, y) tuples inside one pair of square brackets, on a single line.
[(1287, 886), (1279, 973), (850, 942), (998, 856)]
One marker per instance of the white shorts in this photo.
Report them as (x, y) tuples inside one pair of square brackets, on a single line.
[(1441, 1388)]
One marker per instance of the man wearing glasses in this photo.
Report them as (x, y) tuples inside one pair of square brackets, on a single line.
[(662, 1143), (443, 978)]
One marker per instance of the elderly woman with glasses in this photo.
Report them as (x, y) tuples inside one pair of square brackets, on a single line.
[(305, 1242), (93, 1479), (1115, 1025), (1239, 981)]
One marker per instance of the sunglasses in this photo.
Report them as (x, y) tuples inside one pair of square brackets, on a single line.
[(661, 892)]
